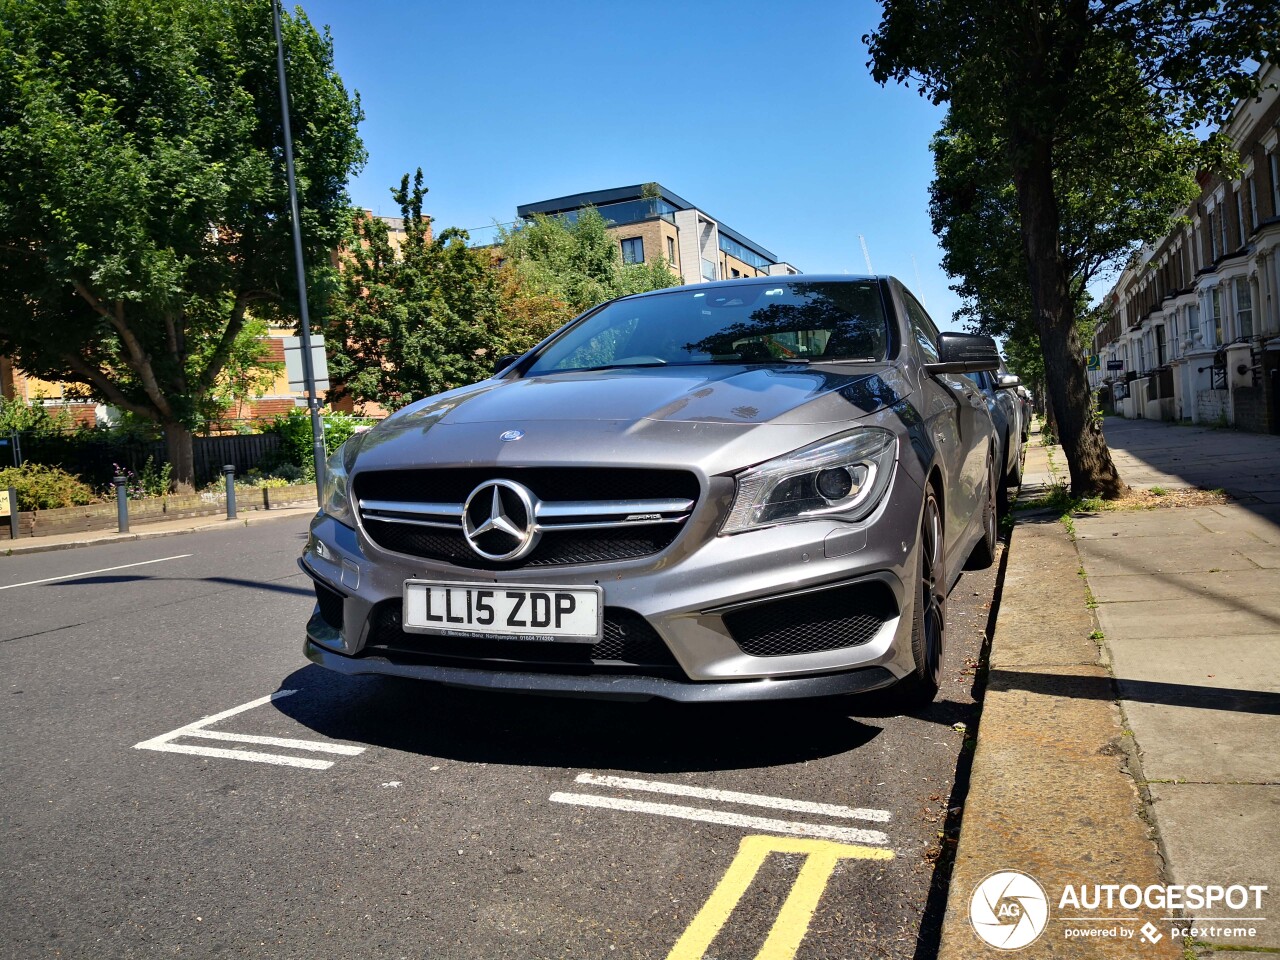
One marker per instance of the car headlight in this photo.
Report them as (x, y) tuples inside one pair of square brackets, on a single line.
[(335, 499), (841, 478)]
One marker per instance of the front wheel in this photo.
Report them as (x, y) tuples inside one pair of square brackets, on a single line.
[(929, 617)]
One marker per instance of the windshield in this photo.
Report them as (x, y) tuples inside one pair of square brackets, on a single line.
[(792, 322)]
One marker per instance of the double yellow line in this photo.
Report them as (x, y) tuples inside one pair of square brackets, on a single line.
[(792, 922)]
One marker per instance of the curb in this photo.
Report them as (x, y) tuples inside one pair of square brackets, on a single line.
[(1050, 794), (91, 540)]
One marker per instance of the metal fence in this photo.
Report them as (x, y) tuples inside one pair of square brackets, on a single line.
[(95, 458)]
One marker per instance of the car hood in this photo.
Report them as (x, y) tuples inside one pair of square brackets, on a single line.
[(710, 415)]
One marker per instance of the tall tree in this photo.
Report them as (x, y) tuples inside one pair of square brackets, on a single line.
[(415, 320), (1077, 103), (144, 212)]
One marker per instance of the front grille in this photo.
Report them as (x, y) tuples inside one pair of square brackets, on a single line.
[(330, 605), (454, 484), (556, 547), (629, 645), (586, 514), (833, 619)]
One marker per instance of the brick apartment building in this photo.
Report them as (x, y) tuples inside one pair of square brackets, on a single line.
[(1194, 332), (650, 222)]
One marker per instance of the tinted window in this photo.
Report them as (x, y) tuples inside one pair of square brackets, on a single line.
[(753, 323), (923, 331)]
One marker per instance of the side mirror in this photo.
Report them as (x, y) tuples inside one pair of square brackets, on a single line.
[(964, 353), (1007, 381), (503, 362)]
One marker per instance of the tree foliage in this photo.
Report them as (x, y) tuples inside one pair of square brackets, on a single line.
[(416, 320), (434, 313), (1084, 109), (578, 261), (143, 201)]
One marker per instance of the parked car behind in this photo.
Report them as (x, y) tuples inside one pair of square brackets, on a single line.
[(1009, 418), (745, 490)]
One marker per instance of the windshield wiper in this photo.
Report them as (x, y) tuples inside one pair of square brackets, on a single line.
[(609, 366)]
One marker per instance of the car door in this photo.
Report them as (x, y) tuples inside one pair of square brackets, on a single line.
[(961, 427)]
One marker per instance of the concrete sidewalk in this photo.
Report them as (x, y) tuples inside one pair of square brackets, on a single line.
[(146, 531), (1130, 731), (1189, 603)]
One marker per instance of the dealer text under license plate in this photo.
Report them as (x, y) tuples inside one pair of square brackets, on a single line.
[(498, 610)]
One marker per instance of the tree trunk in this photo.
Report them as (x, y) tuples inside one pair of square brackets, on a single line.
[(1088, 458), (181, 450)]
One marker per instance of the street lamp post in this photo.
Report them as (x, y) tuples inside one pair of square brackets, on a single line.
[(308, 368)]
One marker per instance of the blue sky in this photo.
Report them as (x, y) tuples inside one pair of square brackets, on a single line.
[(762, 115)]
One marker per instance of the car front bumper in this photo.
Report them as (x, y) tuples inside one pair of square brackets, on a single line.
[(683, 594)]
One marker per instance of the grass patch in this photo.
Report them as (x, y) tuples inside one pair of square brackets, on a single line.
[(1059, 499)]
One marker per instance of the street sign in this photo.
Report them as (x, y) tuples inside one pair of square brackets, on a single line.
[(293, 362), (1095, 362), (1115, 364), (5, 507)]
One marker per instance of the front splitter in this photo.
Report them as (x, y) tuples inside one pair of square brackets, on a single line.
[(609, 687)]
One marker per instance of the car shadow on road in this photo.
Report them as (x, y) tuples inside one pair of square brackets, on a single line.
[(653, 736)]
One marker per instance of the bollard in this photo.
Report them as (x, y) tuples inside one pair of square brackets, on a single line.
[(13, 513), (230, 471), (122, 504)]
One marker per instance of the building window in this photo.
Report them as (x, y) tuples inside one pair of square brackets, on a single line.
[(1240, 214), (1222, 228), (1193, 320), (1253, 203), (1275, 183), (1215, 310), (1244, 308), (1161, 353), (733, 273), (1213, 236), (633, 250), (671, 249)]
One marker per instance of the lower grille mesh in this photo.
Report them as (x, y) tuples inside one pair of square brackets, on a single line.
[(330, 605), (628, 642), (834, 619)]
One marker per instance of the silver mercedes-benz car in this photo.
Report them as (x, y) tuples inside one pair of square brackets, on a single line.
[(747, 490)]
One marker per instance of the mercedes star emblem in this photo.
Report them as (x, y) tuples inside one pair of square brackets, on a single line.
[(499, 520)]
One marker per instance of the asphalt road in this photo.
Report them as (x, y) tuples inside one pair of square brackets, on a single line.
[(391, 819)]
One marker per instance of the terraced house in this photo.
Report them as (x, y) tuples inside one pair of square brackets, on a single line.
[(1194, 332)]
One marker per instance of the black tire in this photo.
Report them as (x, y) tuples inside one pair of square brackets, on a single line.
[(984, 551), (929, 614), (1014, 477), (1001, 480)]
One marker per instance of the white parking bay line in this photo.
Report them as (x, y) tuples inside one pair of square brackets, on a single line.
[(89, 573), (819, 830), (732, 796), (314, 745), (251, 755), (164, 743)]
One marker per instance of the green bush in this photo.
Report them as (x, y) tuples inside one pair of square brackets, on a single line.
[(297, 443), (17, 416), (42, 487)]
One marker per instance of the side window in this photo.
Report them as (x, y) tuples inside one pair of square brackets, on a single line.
[(923, 331)]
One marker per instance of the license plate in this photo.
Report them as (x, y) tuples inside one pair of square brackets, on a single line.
[(523, 612)]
